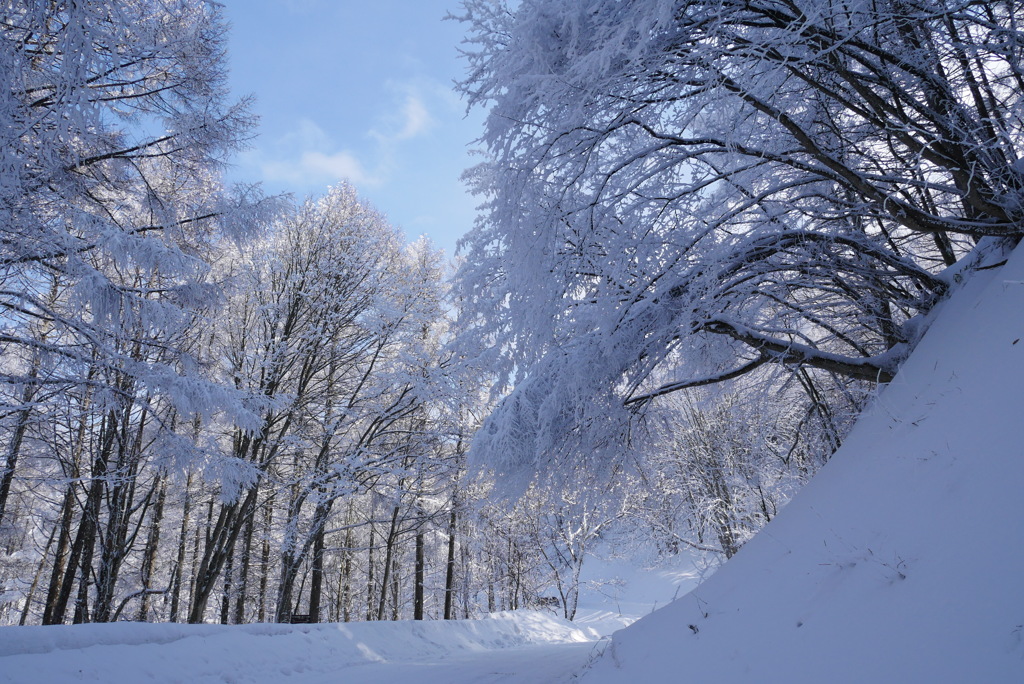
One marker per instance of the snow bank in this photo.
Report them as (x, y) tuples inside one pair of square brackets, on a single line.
[(903, 560), (131, 652)]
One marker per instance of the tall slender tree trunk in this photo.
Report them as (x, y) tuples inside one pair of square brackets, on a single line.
[(178, 571), (85, 541), (420, 572), (219, 547), (200, 535), (345, 590), (395, 587), (389, 552), (449, 572), (268, 522), (243, 570), (152, 545), (316, 579), (17, 437), (225, 600), (67, 511), (120, 489), (35, 580), (369, 572)]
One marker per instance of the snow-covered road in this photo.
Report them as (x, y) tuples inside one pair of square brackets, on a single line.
[(541, 664), (524, 646)]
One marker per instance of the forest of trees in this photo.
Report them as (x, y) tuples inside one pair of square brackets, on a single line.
[(709, 230)]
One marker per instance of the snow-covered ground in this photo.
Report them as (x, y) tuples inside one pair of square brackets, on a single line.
[(521, 646), (505, 647), (614, 593), (902, 561)]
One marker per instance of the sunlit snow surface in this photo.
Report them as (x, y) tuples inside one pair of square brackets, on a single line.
[(902, 561), (521, 647)]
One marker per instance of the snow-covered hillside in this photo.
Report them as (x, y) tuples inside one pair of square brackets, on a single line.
[(903, 560)]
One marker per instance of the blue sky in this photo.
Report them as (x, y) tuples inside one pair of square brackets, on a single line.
[(358, 90)]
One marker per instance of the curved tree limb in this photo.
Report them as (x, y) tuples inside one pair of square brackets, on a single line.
[(880, 368)]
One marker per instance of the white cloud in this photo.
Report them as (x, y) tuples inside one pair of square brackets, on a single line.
[(314, 164), (339, 165), (308, 156), (417, 118), (307, 134), (314, 167), (412, 120)]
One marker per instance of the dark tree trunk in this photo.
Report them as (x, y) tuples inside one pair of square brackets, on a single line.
[(17, 437), (345, 590), (219, 547), (268, 522), (178, 571), (115, 543), (316, 576), (85, 541), (369, 573), (389, 552), (53, 593), (225, 599), (243, 570), (152, 546), (417, 604), (449, 573)]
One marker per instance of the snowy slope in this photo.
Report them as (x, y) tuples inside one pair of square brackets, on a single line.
[(903, 560)]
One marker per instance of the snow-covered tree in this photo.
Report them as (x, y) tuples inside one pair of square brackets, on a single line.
[(738, 184), (115, 120), (331, 333)]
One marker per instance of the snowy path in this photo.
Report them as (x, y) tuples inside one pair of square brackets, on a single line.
[(543, 664), (522, 647)]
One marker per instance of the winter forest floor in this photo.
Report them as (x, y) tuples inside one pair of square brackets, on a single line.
[(522, 646), (525, 647)]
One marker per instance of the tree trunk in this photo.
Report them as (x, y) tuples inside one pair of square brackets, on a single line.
[(225, 599), (120, 490), (417, 604), (152, 545), (449, 573), (53, 593), (18, 435), (178, 571), (219, 547), (369, 572), (243, 570), (345, 590), (389, 551), (317, 575), (85, 541), (200, 534), (268, 522)]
